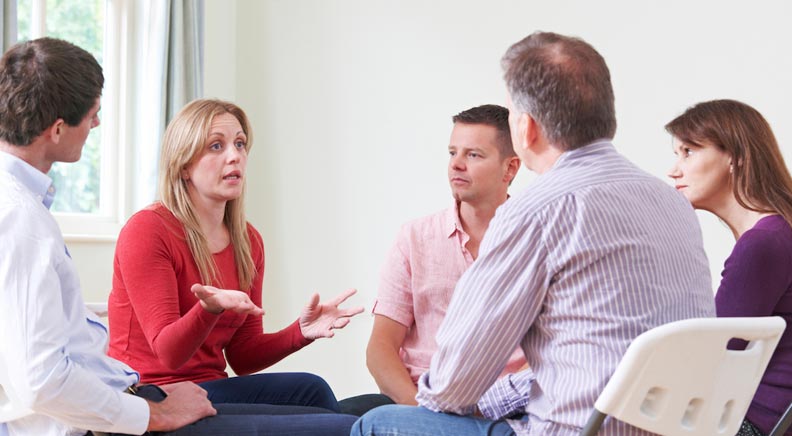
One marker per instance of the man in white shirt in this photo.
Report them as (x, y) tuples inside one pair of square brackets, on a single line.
[(52, 347)]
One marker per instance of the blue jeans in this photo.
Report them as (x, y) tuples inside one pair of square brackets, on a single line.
[(229, 423), (280, 389), (418, 421), (259, 420)]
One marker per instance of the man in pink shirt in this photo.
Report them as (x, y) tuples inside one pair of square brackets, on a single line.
[(431, 253)]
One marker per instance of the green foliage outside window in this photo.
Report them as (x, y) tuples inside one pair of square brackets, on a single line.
[(80, 22)]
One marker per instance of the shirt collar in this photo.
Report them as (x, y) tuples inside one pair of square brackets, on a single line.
[(597, 147), (451, 223), (34, 180)]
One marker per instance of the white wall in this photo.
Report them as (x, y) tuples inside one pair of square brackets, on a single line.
[(351, 100), (94, 263)]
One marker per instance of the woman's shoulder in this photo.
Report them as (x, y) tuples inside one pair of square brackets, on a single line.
[(256, 241), (771, 230), (774, 224), (757, 273), (770, 239), (154, 218), (252, 231)]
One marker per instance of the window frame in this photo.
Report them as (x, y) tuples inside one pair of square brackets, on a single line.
[(105, 224)]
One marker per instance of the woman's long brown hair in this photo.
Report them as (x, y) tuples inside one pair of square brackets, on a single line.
[(760, 178)]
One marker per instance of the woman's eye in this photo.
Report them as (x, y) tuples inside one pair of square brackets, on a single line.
[(687, 151), (240, 144), (215, 146)]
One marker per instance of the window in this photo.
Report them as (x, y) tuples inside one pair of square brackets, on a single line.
[(84, 203), (137, 42)]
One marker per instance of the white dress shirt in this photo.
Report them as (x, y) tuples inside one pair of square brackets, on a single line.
[(53, 347)]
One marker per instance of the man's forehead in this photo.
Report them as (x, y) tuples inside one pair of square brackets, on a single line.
[(480, 147)]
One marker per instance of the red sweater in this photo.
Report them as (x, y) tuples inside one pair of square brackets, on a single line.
[(157, 325)]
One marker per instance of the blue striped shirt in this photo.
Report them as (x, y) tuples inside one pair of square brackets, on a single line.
[(593, 253)]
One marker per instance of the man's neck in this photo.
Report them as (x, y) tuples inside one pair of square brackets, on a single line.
[(32, 153), (475, 217), (543, 161)]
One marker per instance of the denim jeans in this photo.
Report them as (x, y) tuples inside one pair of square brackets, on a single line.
[(232, 424), (302, 405), (418, 421), (280, 389)]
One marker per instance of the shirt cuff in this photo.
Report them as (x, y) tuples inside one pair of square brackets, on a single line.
[(134, 416), (430, 401), (297, 339), (509, 395), (205, 318)]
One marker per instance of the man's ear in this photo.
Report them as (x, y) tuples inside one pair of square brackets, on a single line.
[(512, 166), (55, 131), (532, 131), (528, 131)]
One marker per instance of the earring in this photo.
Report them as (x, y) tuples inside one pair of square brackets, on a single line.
[(731, 168)]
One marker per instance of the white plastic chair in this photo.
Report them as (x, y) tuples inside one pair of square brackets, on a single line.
[(680, 379)]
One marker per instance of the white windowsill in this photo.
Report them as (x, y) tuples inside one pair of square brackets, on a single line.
[(75, 237), (88, 228)]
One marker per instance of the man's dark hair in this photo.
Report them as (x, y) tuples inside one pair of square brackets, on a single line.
[(565, 85), (490, 115), (43, 80)]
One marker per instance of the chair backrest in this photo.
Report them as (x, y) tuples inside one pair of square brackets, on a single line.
[(680, 378)]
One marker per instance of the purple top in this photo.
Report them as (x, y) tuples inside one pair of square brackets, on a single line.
[(757, 281)]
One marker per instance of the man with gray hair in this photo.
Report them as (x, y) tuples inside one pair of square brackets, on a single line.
[(592, 254)]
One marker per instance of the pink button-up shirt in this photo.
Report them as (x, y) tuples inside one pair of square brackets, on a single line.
[(418, 280)]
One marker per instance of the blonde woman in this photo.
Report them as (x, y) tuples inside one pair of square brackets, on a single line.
[(188, 273)]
